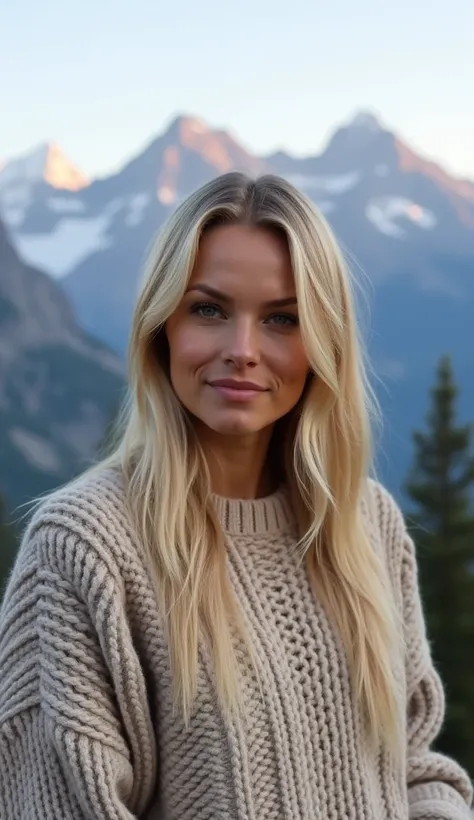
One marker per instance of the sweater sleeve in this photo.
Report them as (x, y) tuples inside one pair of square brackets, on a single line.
[(75, 742), (438, 789)]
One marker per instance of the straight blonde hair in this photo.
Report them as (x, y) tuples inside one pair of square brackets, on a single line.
[(326, 457)]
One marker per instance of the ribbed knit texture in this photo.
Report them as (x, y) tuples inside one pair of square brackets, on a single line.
[(87, 728)]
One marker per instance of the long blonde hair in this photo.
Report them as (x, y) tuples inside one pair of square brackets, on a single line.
[(326, 457)]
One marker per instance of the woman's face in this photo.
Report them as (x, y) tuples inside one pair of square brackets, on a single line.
[(237, 361)]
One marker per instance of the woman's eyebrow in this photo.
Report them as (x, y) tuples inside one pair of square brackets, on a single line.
[(223, 297)]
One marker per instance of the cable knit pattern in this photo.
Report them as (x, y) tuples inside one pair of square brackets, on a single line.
[(87, 728)]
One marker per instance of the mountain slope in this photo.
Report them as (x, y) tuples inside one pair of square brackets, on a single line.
[(58, 387)]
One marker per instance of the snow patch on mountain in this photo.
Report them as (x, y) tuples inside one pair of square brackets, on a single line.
[(14, 202), (76, 235), (37, 450), (27, 169), (16, 196), (387, 212), (65, 205), (13, 217), (71, 241), (136, 208), (337, 184)]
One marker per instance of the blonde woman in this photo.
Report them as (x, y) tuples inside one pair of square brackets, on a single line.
[(221, 621)]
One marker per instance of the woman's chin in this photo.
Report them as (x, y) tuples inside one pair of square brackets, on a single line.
[(234, 424)]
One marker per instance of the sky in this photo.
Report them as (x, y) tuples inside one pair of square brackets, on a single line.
[(102, 79)]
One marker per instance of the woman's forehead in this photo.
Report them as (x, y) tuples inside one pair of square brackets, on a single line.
[(238, 258)]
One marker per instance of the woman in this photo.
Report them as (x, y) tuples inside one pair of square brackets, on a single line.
[(222, 620)]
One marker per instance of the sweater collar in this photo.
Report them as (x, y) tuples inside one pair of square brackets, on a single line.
[(272, 514)]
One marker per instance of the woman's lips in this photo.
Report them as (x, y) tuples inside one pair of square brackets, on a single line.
[(238, 391)]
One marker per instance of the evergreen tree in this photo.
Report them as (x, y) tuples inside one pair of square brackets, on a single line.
[(441, 486)]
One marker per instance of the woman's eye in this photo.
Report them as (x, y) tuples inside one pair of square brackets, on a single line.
[(206, 311), (283, 319)]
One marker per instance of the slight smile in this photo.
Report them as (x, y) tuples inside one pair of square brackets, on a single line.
[(238, 391)]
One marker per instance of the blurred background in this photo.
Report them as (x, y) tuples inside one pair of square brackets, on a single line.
[(112, 113)]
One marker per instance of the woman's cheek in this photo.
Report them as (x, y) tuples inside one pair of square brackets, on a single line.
[(286, 358), (196, 345)]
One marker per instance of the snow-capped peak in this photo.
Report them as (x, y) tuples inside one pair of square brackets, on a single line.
[(46, 163), (216, 146), (185, 126), (365, 120)]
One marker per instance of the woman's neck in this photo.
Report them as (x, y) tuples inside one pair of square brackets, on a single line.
[(238, 465)]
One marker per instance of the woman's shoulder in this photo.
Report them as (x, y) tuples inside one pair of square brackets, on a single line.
[(76, 563), (86, 520), (381, 505), (386, 522), (99, 491)]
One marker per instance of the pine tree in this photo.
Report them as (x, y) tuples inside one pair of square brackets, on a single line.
[(441, 486)]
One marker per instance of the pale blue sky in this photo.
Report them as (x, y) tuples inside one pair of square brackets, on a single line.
[(102, 78)]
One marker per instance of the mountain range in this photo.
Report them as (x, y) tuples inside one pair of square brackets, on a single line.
[(406, 226)]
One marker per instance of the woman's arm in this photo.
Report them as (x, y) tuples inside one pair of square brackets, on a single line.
[(438, 789), (76, 741)]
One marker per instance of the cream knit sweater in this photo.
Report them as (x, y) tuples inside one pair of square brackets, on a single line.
[(86, 722)]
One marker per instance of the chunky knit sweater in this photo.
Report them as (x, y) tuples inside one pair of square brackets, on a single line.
[(87, 728)]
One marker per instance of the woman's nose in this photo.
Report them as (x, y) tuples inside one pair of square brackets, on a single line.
[(242, 344)]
